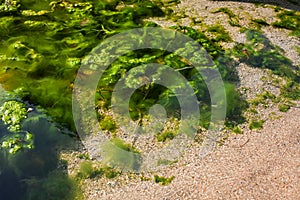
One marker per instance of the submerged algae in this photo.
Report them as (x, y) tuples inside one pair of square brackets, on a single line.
[(41, 48), (43, 43)]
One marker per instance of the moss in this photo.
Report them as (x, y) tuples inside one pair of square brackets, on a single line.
[(220, 33), (56, 186), (289, 20), (256, 124), (118, 154), (12, 113), (290, 90), (166, 162), (109, 172), (268, 95), (259, 23), (237, 130), (233, 19), (234, 23), (227, 11), (200, 136), (178, 15), (209, 45), (121, 144), (84, 156), (260, 52), (223, 139), (284, 107), (9, 7), (297, 49), (252, 110), (107, 123), (167, 135), (195, 21), (162, 180), (143, 178), (263, 98), (87, 170)]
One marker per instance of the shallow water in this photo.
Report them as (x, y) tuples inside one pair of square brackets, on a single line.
[(42, 44), (41, 47), (18, 171)]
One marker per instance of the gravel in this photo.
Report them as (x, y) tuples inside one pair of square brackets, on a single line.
[(261, 164)]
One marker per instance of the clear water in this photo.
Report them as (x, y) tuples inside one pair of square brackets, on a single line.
[(42, 44), (41, 47)]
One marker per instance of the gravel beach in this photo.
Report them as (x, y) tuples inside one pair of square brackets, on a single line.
[(258, 164)]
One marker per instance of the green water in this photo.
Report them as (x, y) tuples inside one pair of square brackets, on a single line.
[(29, 165), (42, 44)]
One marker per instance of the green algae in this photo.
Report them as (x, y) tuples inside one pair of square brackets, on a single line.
[(291, 90), (233, 19), (288, 20), (121, 155), (41, 48), (29, 141), (146, 96), (227, 11), (220, 33), (163, 180), (259, 23), (47, 59), (43, 44), (56, 185), (260, 52), (167, 135), (12, 113), (256, 124)]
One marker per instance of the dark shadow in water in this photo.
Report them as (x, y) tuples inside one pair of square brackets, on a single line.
[(10, 187), (27, 174), (288, 4), (261, 53)]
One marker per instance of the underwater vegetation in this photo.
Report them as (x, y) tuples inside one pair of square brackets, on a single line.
[(29, 156), (164, 136), (263, 54), (256, 124), (12, 113), (87, 170), (121, 155), (43, 53), (233, 19), (163, 180), (289, 20), (56, 185), (146, 96), (42, 46)]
